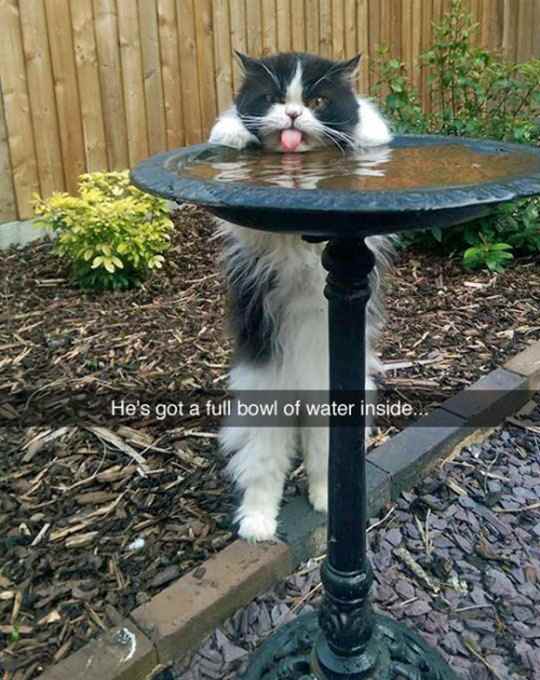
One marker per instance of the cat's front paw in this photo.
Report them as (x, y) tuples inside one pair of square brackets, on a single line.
[(318, 497), (229, 131), (257, 527)]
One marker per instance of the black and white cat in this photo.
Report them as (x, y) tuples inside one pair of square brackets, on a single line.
[(288, 103)]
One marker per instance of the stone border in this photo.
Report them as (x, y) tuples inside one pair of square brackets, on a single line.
[(174, 621), (20, 233)]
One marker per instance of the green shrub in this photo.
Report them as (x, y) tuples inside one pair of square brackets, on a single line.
[(475, 94), (112, 233)]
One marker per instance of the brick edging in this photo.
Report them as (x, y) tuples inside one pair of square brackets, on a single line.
[(175, 620)]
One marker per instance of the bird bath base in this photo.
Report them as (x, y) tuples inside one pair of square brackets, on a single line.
[(393, 652)]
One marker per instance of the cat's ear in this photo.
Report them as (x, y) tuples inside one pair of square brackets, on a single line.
[(349, 67), (247, 63)]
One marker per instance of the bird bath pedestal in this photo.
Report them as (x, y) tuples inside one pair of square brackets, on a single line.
[(415, 182)]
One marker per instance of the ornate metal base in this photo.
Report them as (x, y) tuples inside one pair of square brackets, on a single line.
[(402, 655)]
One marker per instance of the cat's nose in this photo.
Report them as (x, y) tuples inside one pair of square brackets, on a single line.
[(293, 113)]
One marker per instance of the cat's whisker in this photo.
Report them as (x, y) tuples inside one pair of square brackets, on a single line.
[(338, 133), (339, 123), (325, 135), (340, 136), (338, 142)]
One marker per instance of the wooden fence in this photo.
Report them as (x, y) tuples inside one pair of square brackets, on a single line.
[(94, 84)]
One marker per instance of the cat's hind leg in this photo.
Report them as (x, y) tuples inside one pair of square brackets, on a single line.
[(315, 442), (261, 458), (259, 469)]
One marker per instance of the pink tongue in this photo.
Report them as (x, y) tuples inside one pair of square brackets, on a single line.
[(290, 139)]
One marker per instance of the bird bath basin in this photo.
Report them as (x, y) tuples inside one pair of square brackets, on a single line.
[(415, 182)]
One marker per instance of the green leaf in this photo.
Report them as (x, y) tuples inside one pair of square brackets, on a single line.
[(393, 101), (437, 234)]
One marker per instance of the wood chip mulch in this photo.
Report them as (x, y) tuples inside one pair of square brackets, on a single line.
[(98, 513)]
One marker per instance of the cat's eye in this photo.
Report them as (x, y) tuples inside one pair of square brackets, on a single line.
[(317, 102), (273, 99)]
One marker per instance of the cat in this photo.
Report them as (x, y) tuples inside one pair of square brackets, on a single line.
[(288, 103)]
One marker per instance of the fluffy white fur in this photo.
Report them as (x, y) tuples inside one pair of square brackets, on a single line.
[(261, 456)]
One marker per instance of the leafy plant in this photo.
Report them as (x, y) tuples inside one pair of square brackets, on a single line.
[(475, 94), (490, 255), (112, 233), (401, 102)]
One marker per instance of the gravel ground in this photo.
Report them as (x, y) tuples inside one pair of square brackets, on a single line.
[(474, 529)]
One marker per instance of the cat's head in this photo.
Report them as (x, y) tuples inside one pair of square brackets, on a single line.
[(297, 102)]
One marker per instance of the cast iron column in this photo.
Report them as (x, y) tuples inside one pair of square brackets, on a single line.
[(347, 647)]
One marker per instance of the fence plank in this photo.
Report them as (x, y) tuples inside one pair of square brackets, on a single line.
[(407, 34), (476, 12), (385, 25), (237, 9), (253, 23), (84, 45), (416, 44), (427, 41), (41, 92), (190, 72), (487, 15), (17, 109), (153, 86), (362, 44), (325, 28), (8, 208), (66, 91), (132, 78), (349, 11), (536, 31), (511, 10), (395, 30), (298, 25), (312, 26), (492, 24), (374, 34), (170, 73), (205, 60), (223, 55), (269, 27), (525, 21), (438, 9), (283, 15), (110, 79), (338, 30)]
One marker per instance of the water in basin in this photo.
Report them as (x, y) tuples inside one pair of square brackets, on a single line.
[(382, 168)]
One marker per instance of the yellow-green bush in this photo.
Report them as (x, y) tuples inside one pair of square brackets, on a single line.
[(112, 233)]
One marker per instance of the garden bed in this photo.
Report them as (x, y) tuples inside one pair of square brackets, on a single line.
[(89, 530)]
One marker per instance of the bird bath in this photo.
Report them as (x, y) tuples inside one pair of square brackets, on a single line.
[(413, 183)]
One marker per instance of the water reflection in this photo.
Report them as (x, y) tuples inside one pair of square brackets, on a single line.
[(303, 171), (377, 169)]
